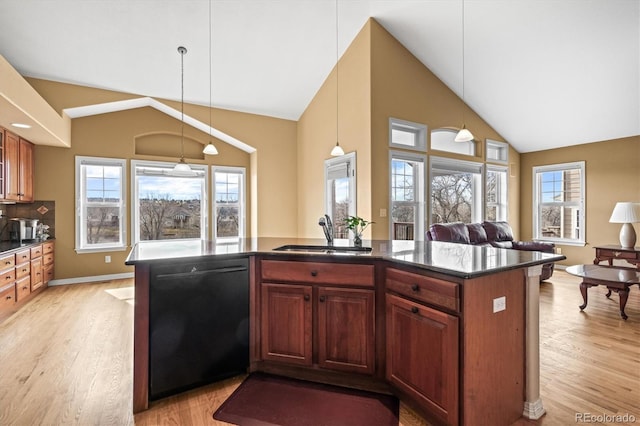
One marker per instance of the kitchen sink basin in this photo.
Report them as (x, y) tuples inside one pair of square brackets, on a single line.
[(324, 249)]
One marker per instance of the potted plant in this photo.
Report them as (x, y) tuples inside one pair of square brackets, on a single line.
[(357, 225)]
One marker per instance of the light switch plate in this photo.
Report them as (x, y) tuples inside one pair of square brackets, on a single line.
[(383, 212), (499, 304)]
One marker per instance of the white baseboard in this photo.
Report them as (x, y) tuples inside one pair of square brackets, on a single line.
[(95, 278), (560, 267)]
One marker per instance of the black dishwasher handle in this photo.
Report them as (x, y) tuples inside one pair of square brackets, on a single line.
[(203, 272)]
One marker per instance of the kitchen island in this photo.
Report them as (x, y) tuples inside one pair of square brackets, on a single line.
[(451, 329)]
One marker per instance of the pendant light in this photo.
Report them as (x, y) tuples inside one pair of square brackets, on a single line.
[(210, 149), (464, 135), (182, 166), (337, 150)]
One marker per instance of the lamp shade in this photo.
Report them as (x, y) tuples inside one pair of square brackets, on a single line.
[(625, 212), (210, 149), (337, 150), (464, 135)]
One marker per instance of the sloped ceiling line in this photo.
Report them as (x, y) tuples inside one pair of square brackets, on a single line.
[(105, 108)]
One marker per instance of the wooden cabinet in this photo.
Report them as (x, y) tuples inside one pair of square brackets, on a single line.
[(422, 355), (23, 273), (318, 314), (18, 168), (286, 323)]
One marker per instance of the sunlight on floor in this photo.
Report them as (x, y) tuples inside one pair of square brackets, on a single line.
[(123, 293)]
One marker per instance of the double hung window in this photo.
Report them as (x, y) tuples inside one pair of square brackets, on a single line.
[(229, 203), (100, 204)]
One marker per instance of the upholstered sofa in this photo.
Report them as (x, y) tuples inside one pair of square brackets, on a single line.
[(496, 234)]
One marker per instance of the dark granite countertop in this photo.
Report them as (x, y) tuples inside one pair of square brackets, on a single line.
[(460, 260), (9, 246)]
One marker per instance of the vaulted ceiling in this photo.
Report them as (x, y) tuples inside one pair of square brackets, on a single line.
[(543, 73)]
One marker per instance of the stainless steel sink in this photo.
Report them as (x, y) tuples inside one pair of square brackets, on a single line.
[(324, 249)]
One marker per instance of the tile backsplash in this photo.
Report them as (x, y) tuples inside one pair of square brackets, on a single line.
[(44, 211)]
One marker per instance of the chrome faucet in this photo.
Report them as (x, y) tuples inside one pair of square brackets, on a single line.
[(327, 227)]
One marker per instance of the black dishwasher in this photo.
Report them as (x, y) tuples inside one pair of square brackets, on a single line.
[(198, 323)]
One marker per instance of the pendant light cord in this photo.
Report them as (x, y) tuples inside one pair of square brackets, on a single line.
[(182, 51), (337, 79), (210, 71), (463, 101)]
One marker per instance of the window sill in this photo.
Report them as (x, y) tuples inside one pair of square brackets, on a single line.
[(100, 250)]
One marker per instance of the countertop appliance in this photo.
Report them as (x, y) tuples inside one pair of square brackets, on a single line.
[(198, 323), (23, 229)]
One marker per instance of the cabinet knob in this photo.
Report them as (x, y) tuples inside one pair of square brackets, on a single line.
[(314, 273), (307, 297), (414, 310), (322, 298), (415, 287)]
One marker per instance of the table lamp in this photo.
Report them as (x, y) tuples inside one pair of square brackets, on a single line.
[(626, 213)]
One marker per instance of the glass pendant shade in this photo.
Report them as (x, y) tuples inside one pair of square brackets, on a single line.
[(182, 167), (337, 150), (464, 135), (210, 149)]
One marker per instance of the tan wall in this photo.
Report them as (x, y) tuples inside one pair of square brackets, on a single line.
[(317, 135), (612, 170), (112, 135), (402, 87)]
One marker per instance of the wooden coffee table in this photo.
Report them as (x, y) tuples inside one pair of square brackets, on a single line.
[(617, 279)]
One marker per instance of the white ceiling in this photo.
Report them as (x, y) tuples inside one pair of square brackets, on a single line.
[(543, 73)]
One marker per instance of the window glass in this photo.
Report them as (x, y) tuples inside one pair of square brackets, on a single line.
[(496, 193), (340, 191), (407, 196), (456, 191), (100, 204), (407, 135), (169, 205), (559, 202), (229, 202), (443, 140)]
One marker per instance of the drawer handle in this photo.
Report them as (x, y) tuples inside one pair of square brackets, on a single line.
[(322, 298), (8, 277), (314, 273), (307, 297), (7, 262), (414, 310), (8, 297), (415, 287), (25, 287)]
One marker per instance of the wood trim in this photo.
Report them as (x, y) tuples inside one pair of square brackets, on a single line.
[(141, 339)]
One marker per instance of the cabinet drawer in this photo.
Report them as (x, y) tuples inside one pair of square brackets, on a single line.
[(7, 296), (422, 288), (47, 247), (23, 256), (47, 259), (47, 272), (7, 262), (318, 272), (23, 270), (23, 288), (7, 276), (36, 251)]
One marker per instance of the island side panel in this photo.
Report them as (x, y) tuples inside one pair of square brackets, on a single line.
[(494, 349), (141, 339), (254, 312)]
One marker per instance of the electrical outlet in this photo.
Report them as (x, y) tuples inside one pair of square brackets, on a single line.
[(499, 304), (383, 212), (558, 250), (107, 259)]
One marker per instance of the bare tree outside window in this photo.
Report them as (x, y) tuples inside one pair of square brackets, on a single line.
[(451, 198)]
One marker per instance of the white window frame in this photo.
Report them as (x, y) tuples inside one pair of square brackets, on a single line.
[(419, 189), (242, 202), (350, 160), (496, 152), (503, 192), (418, 130), (463, 148), (82, 204), (453, 165), (135, 216), (537, 204)]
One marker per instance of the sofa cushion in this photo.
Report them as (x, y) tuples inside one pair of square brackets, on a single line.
[(450, 232), (498, 231), (477, 234)]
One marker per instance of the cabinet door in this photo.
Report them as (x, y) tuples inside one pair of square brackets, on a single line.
[(36, 274), (422, 355), (25, 171), (286, 323), (12, 166), (346, 339)]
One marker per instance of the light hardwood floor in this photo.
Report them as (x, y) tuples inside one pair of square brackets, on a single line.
[(66, 358)]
